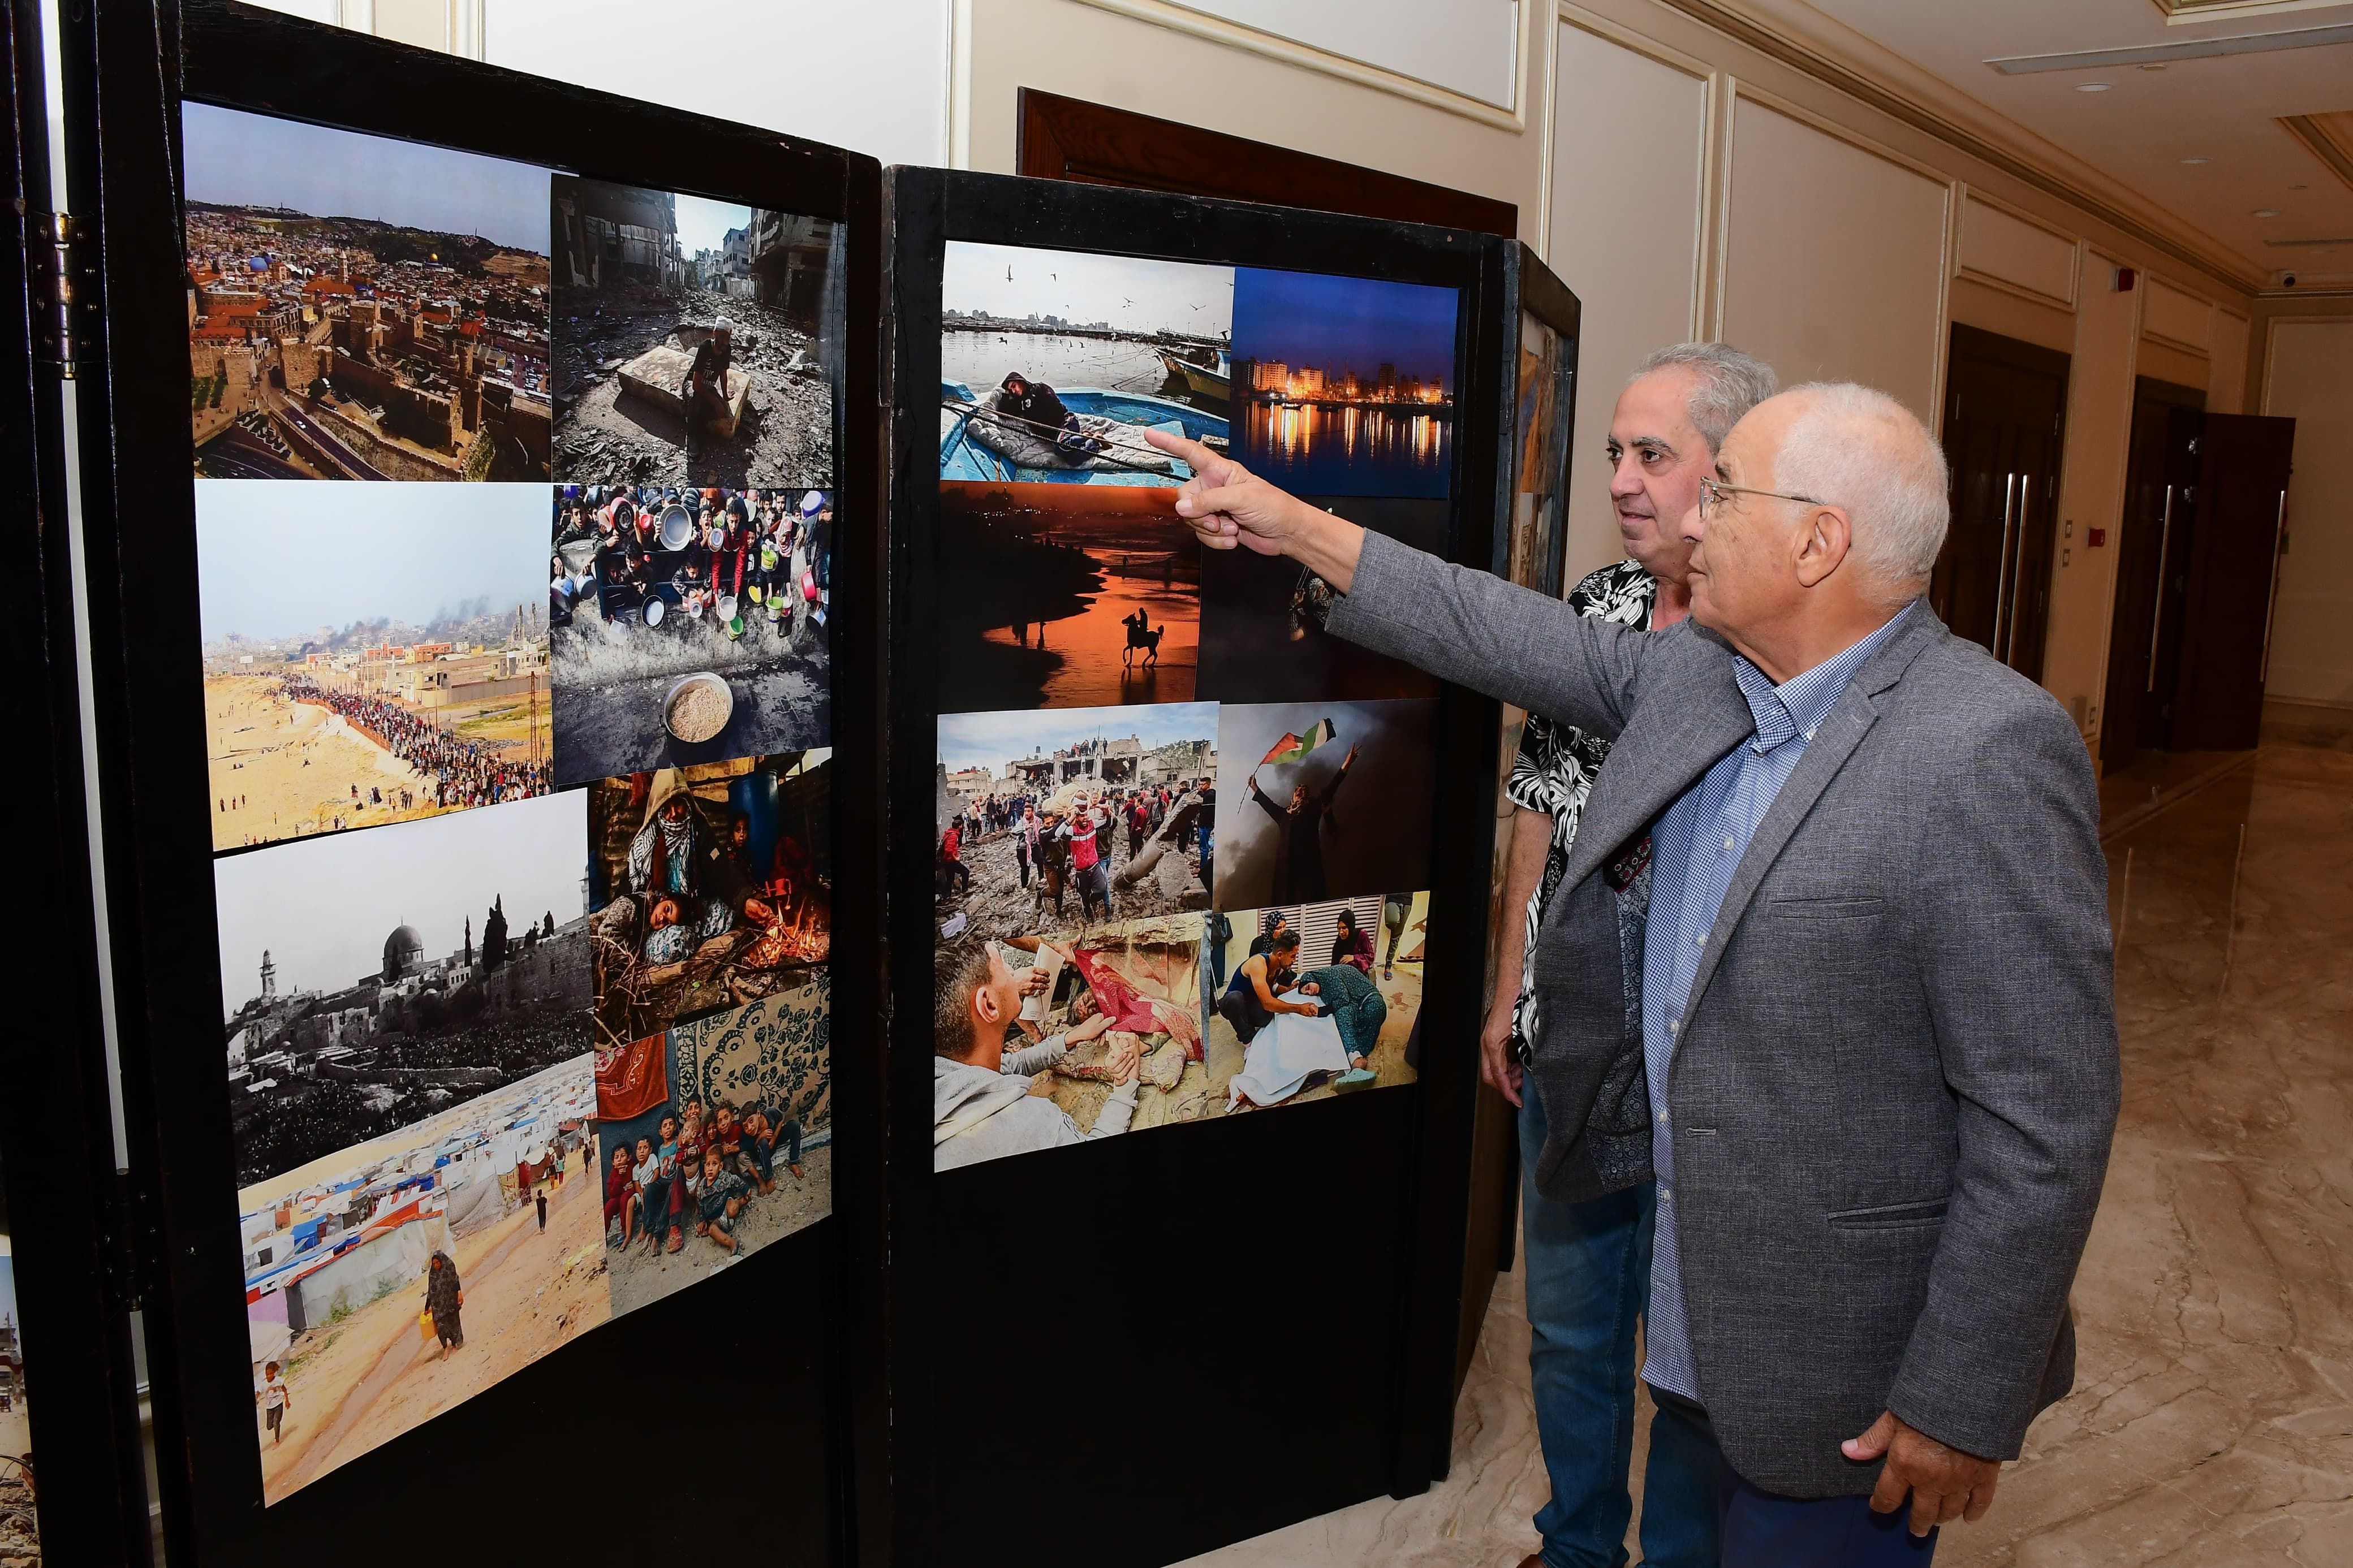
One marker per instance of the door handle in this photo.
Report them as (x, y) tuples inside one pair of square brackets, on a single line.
[(2157, 616), (2002, 608), (2271, 600)]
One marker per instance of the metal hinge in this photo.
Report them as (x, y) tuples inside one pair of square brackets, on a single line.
[(64, 281), (126, 1245)]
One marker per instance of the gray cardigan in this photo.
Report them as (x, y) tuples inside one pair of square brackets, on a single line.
[(1896, 1079)]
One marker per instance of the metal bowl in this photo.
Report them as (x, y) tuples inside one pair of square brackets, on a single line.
[(726, 606), (654, 609), (680, 688), (677, 527)]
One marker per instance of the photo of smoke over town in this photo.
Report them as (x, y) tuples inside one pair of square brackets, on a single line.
[(697, 341), (388, 1282), (1061, 820), (373, 980), (368, 660), (712, 887), (360, 308)]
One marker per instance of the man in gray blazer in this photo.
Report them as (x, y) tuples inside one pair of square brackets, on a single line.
[(1863, 1034)]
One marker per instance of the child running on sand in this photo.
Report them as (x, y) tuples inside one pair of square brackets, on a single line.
[(274, 1402)]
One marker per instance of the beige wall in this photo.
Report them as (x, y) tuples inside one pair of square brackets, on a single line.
[(2092, 491), (2310, 380)]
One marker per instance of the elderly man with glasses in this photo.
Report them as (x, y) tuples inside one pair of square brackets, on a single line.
[(1865, 1038)]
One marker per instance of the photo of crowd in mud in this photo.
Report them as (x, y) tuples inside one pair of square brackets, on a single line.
[(411, 682), (714, 1139), (362, 308), (687, 625), (1054, 363), (696, 341), (711, 887)]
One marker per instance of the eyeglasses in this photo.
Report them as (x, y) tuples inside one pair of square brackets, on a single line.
[(1711, 492)]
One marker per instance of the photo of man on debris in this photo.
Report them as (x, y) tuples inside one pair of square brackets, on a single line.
[(695, 341)]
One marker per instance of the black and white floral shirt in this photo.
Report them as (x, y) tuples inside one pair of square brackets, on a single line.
[(1557, 764)]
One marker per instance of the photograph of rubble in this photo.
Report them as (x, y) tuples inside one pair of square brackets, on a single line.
[(394, 1279), (394, 666), (375, 979), (362, 308), (712, 887), (1058, 821), (1323, 800), (714, 1139), (697, 341), (1309, 1000), (1041, 1043), (686, 625), (1345, 386), (1262, 637), (1066, 596), (1053, 363)]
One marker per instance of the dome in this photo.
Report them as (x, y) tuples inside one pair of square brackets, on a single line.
[(403, 950)]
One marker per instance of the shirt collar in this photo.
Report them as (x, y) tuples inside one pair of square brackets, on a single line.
[(1800, 704)]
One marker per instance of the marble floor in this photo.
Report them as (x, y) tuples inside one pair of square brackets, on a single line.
[(2212, 1419)]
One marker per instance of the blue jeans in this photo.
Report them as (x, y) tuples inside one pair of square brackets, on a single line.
[(1589, 1280)]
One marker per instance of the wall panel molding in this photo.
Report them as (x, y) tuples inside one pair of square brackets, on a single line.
[(2008, 260)]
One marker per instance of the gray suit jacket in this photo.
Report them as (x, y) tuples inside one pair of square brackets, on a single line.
[(1896, 1079)]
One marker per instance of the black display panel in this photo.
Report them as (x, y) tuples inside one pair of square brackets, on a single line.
[(1166, 858), (481, 728)]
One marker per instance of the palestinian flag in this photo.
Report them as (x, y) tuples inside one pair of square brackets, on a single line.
[(1291, 748)]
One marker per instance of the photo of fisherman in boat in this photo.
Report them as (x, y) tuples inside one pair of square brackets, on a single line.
[(1053, 363), (1323, 800), (392, 666), (1308, 1001), (712, 887), (697, 341), (1066, 819), (1066, 596), (345, 1032), (714, 1140), (687, 625), (1047, 1042), (392, 1281)]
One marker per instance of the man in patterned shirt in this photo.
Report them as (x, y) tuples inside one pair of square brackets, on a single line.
[(1588, 1264)]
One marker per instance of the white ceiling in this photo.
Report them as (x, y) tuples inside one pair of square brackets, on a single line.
[(2139, 133)]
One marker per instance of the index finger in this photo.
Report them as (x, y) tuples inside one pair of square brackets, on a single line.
[(1196, 456)]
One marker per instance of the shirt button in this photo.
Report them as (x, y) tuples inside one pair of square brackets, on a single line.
[(1727, 841), (1666, 1193), (1699, 938), (1663, 1116), (1673, 1024)]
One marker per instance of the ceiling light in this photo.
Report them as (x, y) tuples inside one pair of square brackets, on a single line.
[(2266, 212), (2094, 86), (2188, 49), (2198, 160), (2154, 66)]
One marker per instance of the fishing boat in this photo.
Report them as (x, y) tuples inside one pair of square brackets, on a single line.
[(963, 457), (1214, 382)]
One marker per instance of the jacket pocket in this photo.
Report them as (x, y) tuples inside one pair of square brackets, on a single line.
[(1891, 1217), (1827, 908)]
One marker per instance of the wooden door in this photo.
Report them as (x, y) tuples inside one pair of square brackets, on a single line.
[(2156, 532), (2004, 413), (2242, 469)]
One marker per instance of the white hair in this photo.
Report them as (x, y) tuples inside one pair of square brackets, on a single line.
[(1860, 450), (1729, 384)]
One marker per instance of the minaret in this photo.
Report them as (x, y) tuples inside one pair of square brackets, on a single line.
[(269, 976)]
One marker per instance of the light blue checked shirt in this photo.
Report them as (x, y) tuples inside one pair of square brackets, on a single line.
[(1696, 848)]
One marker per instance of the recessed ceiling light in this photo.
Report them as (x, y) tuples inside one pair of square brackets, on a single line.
[(2267, 212), (2094, 86), (2153, 66), (2198, 160)]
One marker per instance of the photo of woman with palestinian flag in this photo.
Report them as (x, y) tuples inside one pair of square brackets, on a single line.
[(1336, 804)]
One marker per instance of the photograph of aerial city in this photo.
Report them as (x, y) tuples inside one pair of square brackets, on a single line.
[(360, 308), (1346, 383)]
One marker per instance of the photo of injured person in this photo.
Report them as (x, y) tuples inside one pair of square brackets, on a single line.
[(1323, 800), (1054, 363), (711, 888), (1046, 1042), (1310, 1001)]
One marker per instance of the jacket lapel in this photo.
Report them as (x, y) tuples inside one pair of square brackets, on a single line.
[(1851, 719)]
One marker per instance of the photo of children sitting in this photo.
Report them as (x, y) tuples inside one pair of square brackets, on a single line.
[(715, 1141)]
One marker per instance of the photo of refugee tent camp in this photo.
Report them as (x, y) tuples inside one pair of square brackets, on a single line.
[(1343, 385), (1054, 363), (360, 308), (1066, 596), (1262, 637), (711, 887), (687, 625), (1323, 800), (373, 980), (1060, 821), (697, 341), (20, 1524), (370, 659), (1041, 1043), (1306, 1001), (397, 1278), (714, 1139)]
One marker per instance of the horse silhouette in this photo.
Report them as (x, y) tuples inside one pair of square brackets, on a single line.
[(1138, 637)]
